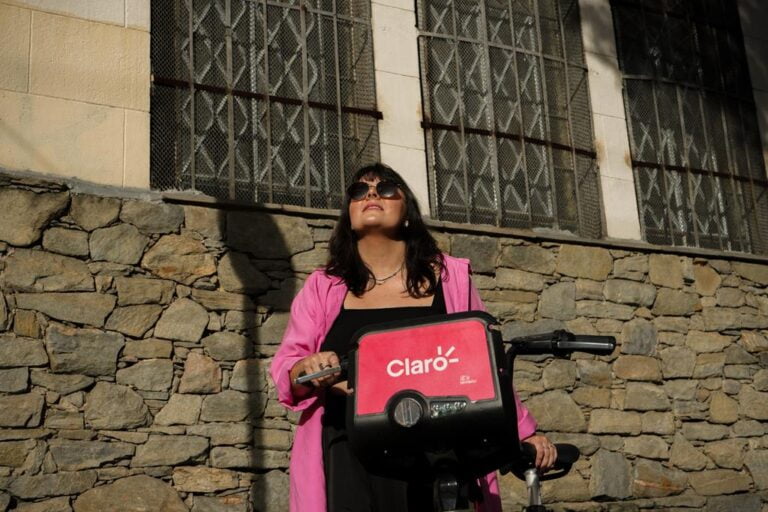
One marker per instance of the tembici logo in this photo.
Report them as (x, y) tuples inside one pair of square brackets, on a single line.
[(407, 366)]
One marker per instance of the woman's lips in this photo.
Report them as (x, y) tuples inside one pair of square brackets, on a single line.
[(368, 207)]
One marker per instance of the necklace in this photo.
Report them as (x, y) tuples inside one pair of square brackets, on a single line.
[(382, 280)]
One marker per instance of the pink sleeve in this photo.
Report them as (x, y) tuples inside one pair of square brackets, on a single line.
[(300, 340), (526, 425)]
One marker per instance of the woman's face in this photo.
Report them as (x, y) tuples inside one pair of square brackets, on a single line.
[(375, 213)]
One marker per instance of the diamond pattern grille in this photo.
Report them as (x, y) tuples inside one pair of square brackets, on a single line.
[(507, 114), (697, 157), (266, 101)]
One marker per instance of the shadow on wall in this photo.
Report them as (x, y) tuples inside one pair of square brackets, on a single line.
[(135, 338)]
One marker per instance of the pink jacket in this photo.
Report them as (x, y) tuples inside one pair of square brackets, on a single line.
[(312, 313)]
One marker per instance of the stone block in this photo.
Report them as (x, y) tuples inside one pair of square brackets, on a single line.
[(86, 351), (91, 212), (14, 453), (757, 464), (81, 308), (632, 267), (224, 433), (723, 409), (231, 458), (250, 375), (136, 144), (134, 493), (662, 423), (15, 25), (706, 280), (29, 487), (147, 375), (707, 341), (649, 447), (592, 397), (519, 280), (69, 242), (77, 455), (63, 384), (728, 453), (25, 213), (719, 481), (21, 352), (675, 324), (229, 503), (231, 405), (268, 236), (134, 321), (610, 421), (180, 410), (270, 491), (675, 302), (531, 258), (238, 275), (39, 271), (121, 243), (588, 262), (740, 502), (598, 309), (556, 411), (559, 374), (753, 342), (685, 456), (183, 320), (115, 407), (677, 362), (26, 324), (558, 301), (638, 337), (709, 365), (203, 479), (179, 258), (701, 431), (161, 450), (14, 380), (201, 375), (482, 250), (209, 222), (152, 217), (588, 289), (730, 297), (753, 404), (52, 143), (610, 477), (643, 368), (752, 271), (652, 480), (60, 504), (68, 51), (594, 373), (665, 270), (67, 420), (308, 261), (629, 292), (141, 290), (148, 349), (642, 396), (219, 301)]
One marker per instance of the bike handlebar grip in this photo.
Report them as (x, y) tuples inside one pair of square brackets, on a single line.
[(567, 454), (600, 345)]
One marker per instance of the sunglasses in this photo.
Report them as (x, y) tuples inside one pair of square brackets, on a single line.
[(385, 190)]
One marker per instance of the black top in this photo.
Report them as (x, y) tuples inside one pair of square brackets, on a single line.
[(349, 486)]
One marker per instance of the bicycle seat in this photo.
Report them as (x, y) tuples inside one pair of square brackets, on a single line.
[(567, 455)]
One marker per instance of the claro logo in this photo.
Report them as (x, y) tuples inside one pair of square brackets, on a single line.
[(407, 366)]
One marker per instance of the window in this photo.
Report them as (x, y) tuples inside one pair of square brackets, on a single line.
[(267, 101), (507, 117), (696, 151)]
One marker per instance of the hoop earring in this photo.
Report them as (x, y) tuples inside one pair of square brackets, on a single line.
[(405, 225)]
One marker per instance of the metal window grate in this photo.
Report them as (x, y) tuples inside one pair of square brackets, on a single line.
[(265, 101), (507, 117), (696, 151)]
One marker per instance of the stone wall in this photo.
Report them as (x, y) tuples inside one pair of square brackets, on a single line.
[(135, 336)]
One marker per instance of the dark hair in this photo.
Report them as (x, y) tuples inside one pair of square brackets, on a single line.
[(422, 257)]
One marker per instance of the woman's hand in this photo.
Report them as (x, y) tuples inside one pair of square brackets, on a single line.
[(546, 453), (315, 363)]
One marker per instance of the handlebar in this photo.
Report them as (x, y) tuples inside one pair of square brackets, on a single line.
[(562, 343)]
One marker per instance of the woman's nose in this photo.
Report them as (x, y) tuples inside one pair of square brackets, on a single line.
[(372, 192)]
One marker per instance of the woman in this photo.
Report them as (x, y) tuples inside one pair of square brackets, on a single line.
[(383, 265)]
